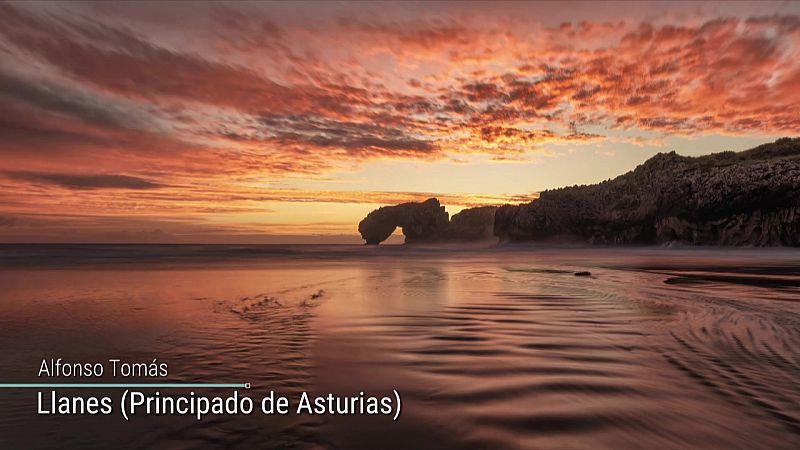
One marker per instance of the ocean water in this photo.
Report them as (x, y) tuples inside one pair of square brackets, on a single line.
[(488, 347)]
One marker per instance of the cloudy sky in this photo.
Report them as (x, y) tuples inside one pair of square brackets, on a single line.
[(270, 122)]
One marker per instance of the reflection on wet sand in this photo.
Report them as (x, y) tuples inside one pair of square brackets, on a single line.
[(489, 349)]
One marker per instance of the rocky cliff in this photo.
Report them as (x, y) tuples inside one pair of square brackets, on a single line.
[(745, 198), (472, 224), (728, 198)]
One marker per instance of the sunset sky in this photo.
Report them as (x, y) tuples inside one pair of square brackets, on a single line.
[(269, 122)]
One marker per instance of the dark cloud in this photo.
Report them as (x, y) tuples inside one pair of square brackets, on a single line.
[(117, 60), (75, 181), (495, 133), (66, 100), (353, 137)]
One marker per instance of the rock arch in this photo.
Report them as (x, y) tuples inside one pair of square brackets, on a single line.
[(421, 222)]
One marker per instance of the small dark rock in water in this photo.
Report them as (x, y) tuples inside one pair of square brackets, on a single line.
[(583, 274)]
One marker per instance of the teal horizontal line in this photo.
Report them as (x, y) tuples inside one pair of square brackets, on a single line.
[(125, 385)]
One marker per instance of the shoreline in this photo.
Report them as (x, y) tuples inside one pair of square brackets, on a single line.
[(214, 256)]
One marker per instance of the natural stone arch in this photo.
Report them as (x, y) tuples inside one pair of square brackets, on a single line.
[(420, 222)]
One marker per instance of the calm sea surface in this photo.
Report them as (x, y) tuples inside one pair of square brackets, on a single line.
[(489, 348)]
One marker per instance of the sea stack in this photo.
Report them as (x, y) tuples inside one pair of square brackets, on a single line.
[(428, 222), (420, 222)]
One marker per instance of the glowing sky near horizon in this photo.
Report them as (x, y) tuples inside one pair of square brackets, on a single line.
[(276, 122)]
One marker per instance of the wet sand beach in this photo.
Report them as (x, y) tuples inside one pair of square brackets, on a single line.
[(489, 348)]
